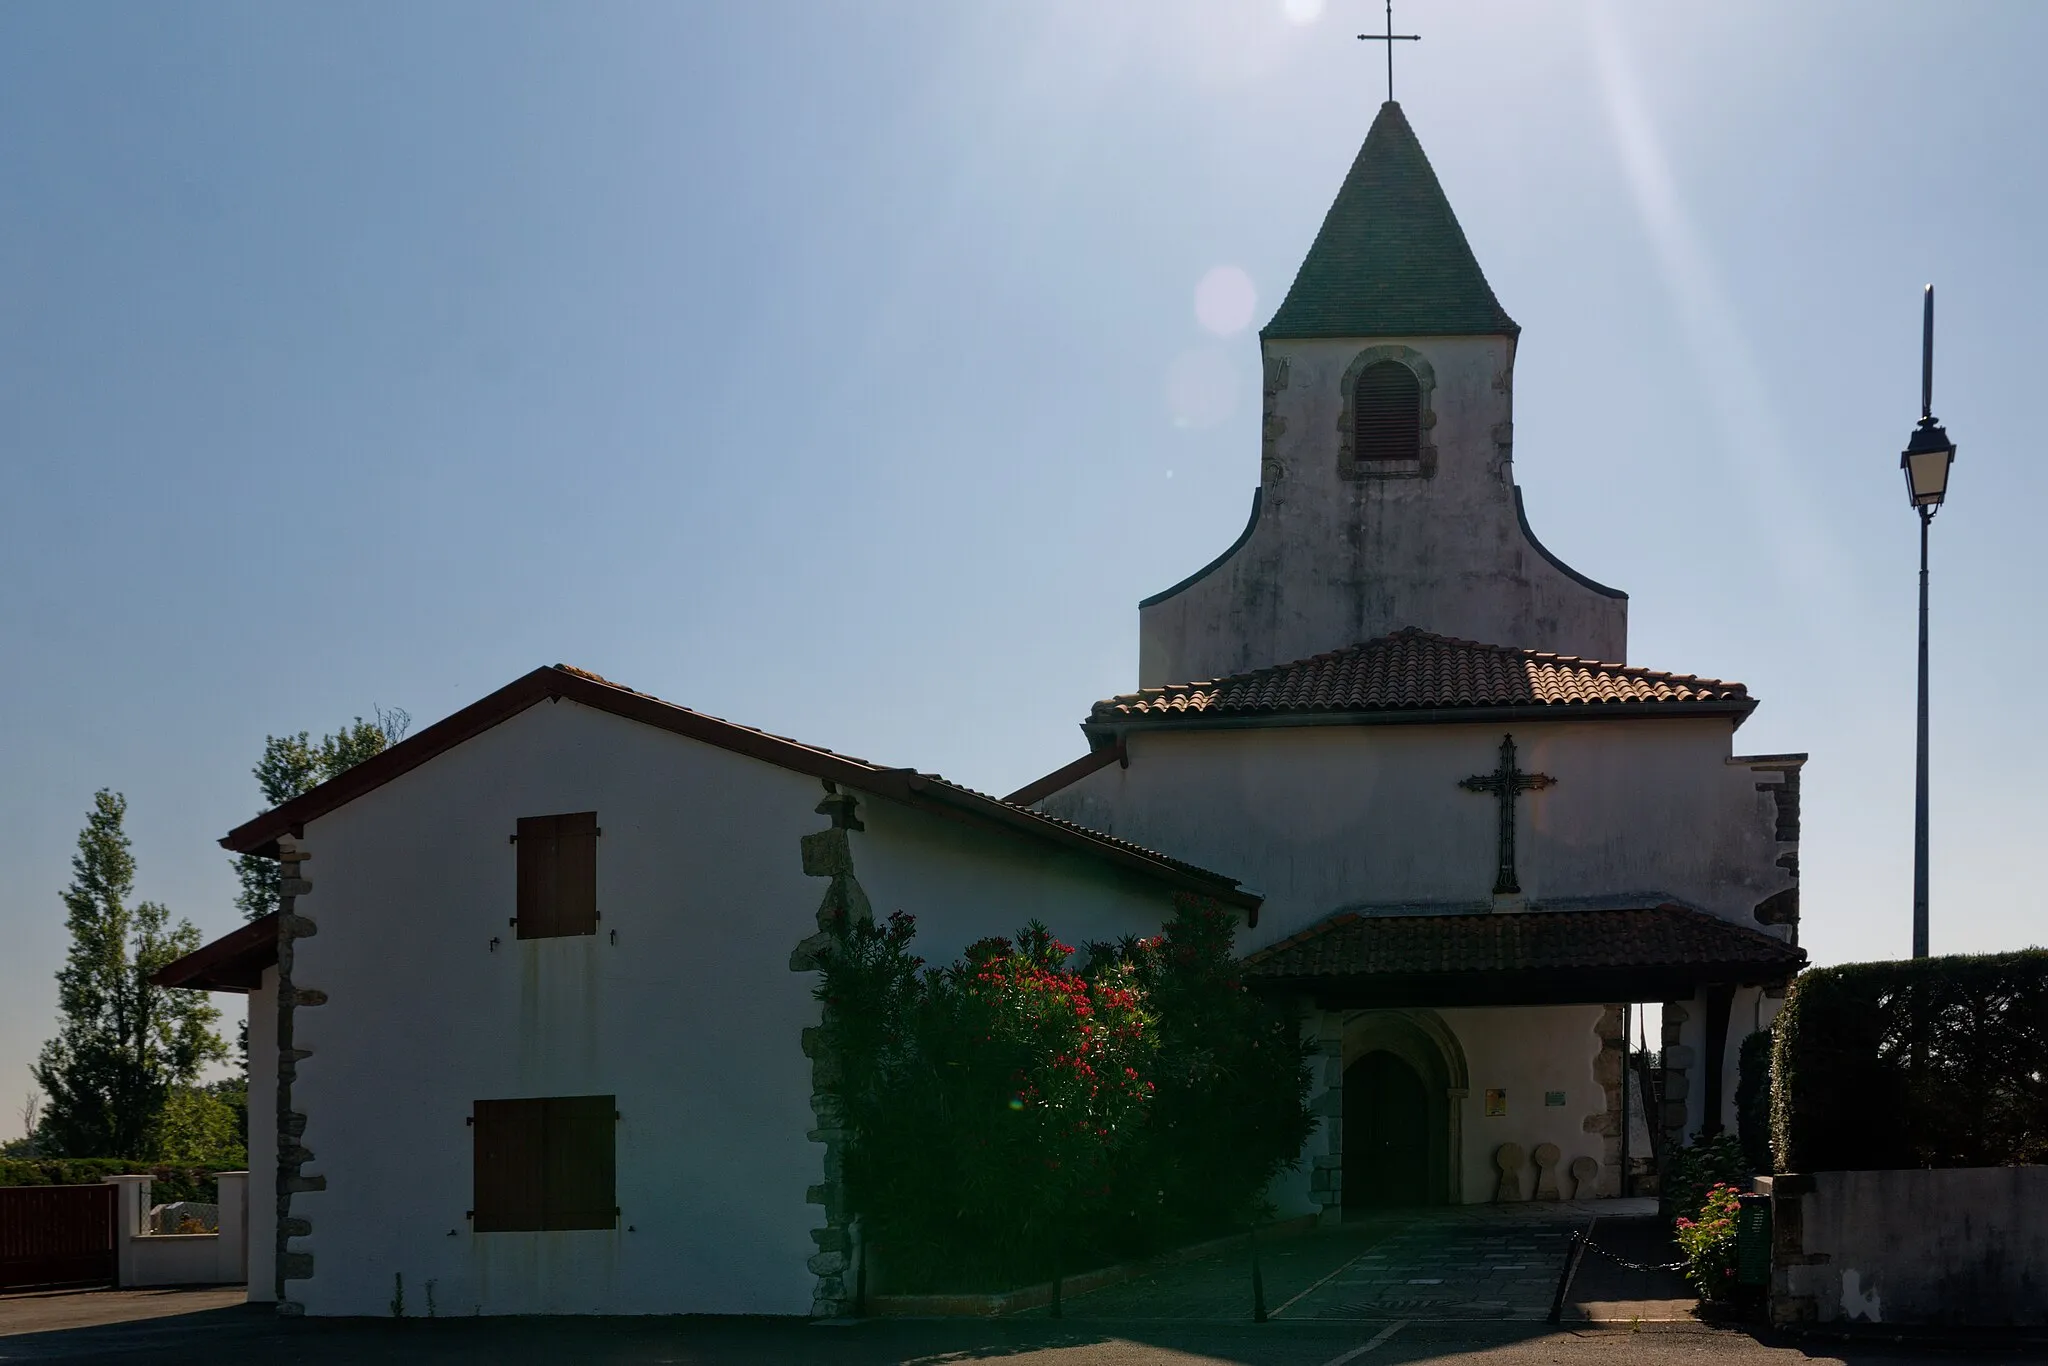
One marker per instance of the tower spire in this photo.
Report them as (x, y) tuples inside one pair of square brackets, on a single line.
[(1390, 259)]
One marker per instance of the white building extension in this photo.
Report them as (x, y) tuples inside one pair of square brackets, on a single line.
[(566, 1074)]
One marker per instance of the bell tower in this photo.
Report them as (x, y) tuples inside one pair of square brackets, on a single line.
[(1386, 495)]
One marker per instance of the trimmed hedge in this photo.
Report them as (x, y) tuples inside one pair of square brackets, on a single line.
[(1753, 1100), (1935, 1062), (166, 1183)]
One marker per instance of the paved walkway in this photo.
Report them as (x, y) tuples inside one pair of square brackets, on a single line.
[(1468, 1262), (47, 1311)]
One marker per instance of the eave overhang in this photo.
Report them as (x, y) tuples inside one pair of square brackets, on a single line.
[(234, 962), (1103, 731)]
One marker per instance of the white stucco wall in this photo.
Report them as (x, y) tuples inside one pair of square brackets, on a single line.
[(1329, 818), (1752, 1009), (691, 1018), (263, 1140), (1333, 561), (1529, 1051)]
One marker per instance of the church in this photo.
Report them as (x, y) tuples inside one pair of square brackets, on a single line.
[(1390, 708), (535, 1019)]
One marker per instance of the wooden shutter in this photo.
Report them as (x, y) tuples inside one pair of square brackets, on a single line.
[(1386, 414), (581, 1179), (509, 1170), (557, 875)]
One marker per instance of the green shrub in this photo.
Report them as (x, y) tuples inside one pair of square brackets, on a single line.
[(1753, 1101), (1708, 1241), (1692, 1172), (1012, 1117), (1934, 1062)]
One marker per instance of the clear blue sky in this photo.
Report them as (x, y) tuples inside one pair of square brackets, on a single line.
[(815, 365)]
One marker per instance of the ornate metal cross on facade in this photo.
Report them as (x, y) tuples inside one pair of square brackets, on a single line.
[(1506, 782), (1390, 38)]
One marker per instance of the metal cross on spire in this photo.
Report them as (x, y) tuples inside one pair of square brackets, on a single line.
[(1390, 38)]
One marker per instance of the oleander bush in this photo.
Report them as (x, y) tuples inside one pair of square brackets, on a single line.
[(1933, 1062), (1013, 1115)]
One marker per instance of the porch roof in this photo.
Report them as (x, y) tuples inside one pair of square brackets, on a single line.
[(1521, 958), (233, 962)]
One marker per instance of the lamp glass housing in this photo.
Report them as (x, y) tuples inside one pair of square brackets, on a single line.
[(1925, 461)]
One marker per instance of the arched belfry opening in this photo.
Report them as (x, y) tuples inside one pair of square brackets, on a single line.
[(1404, 1081), (1386, 414)]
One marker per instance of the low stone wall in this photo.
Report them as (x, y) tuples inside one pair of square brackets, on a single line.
[(1966, 1245)]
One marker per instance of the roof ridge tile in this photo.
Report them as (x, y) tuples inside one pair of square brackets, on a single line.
[(1413, 669)]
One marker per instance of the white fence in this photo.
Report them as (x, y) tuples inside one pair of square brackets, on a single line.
[(147, 1258)]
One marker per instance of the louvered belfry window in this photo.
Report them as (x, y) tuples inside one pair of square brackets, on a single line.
[(1386, 414), (557, 875), (546, 1163)]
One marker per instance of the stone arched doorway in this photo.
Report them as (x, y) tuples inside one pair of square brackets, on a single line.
[(1404, 1084)]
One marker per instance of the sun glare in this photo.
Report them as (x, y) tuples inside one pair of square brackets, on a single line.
[(1224, 300)]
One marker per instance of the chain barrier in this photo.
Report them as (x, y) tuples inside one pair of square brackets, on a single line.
[(1629, 1265)]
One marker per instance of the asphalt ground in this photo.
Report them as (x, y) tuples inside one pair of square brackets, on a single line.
[(252, 1334), (1470, 1285)]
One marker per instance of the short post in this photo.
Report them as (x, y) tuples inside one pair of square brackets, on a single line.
[(1753, 1240), (1564, 1282), (1058, 1311), (233, 1247), (131, 1221), (1258, 1277), (858, 1233)]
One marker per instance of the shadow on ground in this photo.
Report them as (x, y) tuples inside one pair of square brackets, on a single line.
[(214, 1336)]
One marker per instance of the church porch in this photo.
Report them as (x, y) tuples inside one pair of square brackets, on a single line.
[(1479, 1057)]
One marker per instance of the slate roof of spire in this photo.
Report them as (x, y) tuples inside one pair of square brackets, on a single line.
[(1391, 260), (1415, 675)]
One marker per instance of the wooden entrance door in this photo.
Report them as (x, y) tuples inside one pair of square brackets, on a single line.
[(1386, 1134), (57, 1235)]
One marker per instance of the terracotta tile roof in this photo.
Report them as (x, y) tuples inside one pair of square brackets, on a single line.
[(1414, 671), (1353, 945), (926, 791)]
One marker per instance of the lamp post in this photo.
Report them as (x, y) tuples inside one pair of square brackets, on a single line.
[(1925, 461)]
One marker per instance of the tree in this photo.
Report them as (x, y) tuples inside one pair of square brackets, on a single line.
[(204, 1124), (31, 1116), (123, 1043), (291, 766)]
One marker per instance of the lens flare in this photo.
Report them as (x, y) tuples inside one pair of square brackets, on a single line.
[(1224, 300), (1201, 388)]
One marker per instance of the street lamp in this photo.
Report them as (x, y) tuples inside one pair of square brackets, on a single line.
[(1925, 461)]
